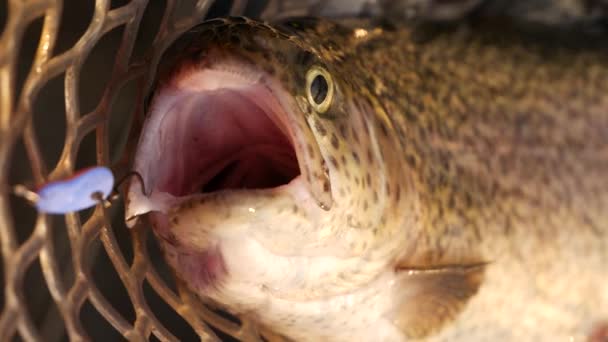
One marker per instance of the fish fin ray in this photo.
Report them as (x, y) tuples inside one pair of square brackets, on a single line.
[(432, 297)]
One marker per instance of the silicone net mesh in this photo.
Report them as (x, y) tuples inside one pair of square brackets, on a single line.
[(73, 77)]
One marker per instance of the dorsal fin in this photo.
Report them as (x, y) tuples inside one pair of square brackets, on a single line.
[(432, 297)]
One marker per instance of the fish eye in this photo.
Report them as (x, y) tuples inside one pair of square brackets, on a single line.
[(319, 88)]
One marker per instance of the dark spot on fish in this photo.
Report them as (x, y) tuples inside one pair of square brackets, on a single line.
[(365, 205), (320, 128), (310, 150), (400, 131), (411, 160), (375, 195), (356, 157), (368, 179), (334, 162), (468, 199), (343, 131), (343, 159), (326, 186), (370, 155), (398, 194), (294, 209), (334, 141), (383, 129), (388, 189)]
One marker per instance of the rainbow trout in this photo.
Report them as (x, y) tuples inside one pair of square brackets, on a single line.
[(367, 183)]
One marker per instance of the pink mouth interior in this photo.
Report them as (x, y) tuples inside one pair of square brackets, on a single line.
[(225, 138)]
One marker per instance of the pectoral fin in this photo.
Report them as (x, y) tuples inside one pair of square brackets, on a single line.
[(433, 297)]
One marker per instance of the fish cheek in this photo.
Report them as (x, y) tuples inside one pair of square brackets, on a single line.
[(432, 298), (312, 165)]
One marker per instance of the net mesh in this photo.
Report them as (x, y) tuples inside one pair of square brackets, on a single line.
[(71, 96)]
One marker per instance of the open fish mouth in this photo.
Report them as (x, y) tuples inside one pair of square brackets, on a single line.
[(220, 130), (212, 129)]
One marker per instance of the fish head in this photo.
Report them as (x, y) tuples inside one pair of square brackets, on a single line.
[(261, 167)]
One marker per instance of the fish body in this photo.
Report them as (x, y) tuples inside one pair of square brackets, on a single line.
[(341, 183)]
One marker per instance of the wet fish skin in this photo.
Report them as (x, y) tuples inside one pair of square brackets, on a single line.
[(589, 15), (468, 171)]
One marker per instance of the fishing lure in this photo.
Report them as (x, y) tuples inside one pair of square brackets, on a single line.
[(83, 190)]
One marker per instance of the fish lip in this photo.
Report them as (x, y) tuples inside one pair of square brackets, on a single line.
[(140, 194)]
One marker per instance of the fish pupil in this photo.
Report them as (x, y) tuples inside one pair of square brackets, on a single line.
[(319, 88)]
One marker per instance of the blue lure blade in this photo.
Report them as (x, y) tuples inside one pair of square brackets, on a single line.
[(77, 192)]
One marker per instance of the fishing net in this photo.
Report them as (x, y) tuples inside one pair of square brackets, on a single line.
[(73, 78)]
